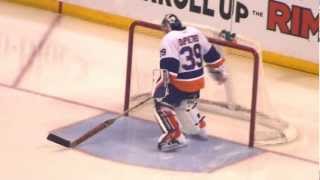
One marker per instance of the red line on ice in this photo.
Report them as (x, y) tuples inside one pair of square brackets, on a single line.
[(34, 53)]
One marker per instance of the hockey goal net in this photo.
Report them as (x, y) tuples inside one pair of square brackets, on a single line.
[(243, 98)]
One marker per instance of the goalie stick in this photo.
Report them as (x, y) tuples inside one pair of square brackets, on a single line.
[(66, 143)]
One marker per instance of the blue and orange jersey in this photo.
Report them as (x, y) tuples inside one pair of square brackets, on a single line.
[(184, 54)]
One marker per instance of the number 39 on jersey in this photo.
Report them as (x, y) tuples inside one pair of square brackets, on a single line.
[(183, 54)]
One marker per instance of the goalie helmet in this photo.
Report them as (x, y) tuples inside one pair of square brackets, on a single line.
[(171, 22)]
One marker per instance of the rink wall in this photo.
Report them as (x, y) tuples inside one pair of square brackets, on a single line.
[(299, 48)]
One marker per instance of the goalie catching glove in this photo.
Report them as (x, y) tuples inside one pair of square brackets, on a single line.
[(219, 74)]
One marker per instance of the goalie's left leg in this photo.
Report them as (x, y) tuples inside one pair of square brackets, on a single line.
[(192, 121)]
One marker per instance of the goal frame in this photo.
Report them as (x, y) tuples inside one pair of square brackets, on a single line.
[(229, 44)]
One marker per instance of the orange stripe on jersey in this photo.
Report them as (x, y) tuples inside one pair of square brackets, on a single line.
[(187, 86), (217, 63)]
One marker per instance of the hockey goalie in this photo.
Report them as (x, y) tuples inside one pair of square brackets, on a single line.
[(184, 54)]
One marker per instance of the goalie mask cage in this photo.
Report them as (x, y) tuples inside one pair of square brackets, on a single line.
[(279, 131)]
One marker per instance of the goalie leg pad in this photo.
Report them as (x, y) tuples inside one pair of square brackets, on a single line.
[(172, 138), (166, 118), (192, 121)]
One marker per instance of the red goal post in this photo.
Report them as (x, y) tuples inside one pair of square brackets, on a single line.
[(229, 44)]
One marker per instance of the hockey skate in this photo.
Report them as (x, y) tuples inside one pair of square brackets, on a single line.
[(167, 144), (202, 133)]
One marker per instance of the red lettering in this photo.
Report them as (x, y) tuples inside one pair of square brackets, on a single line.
[(301, 19), (279, 15), (296, 20), (309, 23)]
